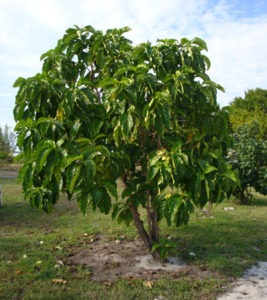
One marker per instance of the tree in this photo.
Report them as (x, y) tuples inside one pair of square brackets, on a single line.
[(103, 110), (7, 143), (248, 154), (249, 157), (253, 107)]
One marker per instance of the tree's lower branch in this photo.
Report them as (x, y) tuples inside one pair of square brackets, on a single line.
[(140, 226)]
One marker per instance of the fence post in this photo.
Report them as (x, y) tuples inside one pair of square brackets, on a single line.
[(1, 203)]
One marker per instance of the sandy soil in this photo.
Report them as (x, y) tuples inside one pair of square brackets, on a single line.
[(110, 260), (253, 285)]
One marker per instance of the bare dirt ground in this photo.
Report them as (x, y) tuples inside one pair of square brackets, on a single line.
[(110, 260), (128, 259)]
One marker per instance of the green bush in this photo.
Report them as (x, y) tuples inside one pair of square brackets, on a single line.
[(249, 157)]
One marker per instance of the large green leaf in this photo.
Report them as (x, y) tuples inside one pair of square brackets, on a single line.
[(127, 123), (90, 170), (108, 81), (152, 172), (111, 188), (72, 174), (42, 152)]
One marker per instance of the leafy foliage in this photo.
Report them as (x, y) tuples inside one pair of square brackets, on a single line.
[(253, 107), (249, 158), (103, 110)]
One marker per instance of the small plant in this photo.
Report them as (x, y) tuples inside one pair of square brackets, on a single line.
[(165, 248)]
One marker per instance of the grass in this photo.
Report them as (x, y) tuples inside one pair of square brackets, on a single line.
[(31, 243)]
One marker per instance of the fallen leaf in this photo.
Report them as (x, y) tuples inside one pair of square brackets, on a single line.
[(59, 281), (60, 262), (148, 284), (18, 272)]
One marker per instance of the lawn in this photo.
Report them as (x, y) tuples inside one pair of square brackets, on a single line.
[(35, 248)]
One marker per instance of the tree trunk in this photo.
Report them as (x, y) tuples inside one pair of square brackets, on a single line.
[(153, 228), (140, 226), (142, 232)]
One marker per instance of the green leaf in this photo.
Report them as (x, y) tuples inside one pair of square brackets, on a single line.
[(111, 188), (83, 198), (90, 168), (117, 135), (231, 175), (122, 213), (127, 123), (70, 159), (72, 174), (183, 211), (48, 170), (164, 112), (108, 81), (42, 152), (207, 61), (84, 140), (75, 128), (26, 176), (156, 157), (152, 172), (101, 199), (208, 169)]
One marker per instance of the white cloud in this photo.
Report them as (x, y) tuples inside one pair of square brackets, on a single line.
[(46, 12), (236, 40), (238, 56)]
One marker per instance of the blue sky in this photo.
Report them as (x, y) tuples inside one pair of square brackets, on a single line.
[(235, 31)]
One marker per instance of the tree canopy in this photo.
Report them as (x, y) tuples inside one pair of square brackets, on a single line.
[(103, 112), (253, 107), (248, 155)]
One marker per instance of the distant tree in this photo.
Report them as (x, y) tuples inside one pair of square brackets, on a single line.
[(103, 110), (248, 117), (249, 157), (253, 107), (7, 143)]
